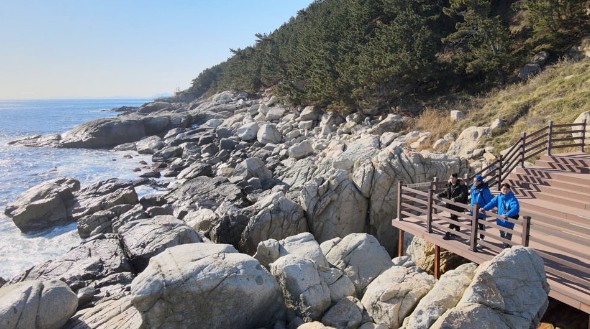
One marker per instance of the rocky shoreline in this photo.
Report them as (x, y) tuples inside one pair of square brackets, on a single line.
[(275, 217)]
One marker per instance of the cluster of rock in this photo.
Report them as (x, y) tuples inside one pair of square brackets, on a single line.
[(245, 166), (296, 282), (264, 224)]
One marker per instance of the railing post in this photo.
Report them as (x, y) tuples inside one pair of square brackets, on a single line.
[(499, 172), (583, 134), (429, 211), (474, 226), (526, 230), (549, 136), (399, 200), (522, 149)]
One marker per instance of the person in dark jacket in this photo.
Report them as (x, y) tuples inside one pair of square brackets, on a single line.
[(456, 191), (480, 193), (507, 206)]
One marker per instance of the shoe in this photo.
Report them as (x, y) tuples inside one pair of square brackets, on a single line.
[(506, 246), (447, 236), (478, 246)]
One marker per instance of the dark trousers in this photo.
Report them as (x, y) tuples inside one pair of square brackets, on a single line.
[(453, 226)]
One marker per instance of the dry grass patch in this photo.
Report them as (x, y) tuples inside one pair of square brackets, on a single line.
[(559, 94)]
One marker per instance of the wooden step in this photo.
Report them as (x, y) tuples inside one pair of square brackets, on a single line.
[(563, 200), (549, 209), (553, 174), (575, 159), (562, 166), (537, 183), (568, 192)]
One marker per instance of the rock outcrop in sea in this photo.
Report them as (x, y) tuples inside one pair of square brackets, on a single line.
[(272, 217)]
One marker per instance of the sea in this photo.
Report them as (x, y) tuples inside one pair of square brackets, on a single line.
[(24, 167)]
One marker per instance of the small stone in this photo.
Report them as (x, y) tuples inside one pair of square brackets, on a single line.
[(457, 115)]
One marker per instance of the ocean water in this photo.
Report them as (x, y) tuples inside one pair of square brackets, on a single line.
[(22, 168)]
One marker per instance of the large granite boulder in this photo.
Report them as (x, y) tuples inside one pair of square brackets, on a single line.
[(423, 252), (303, 288), (103, 196), (510, 291), (358, 149), (119, 313), (249, 168), (149, 145), (309, 113), (36, 305), (334, 206), (269, 133), (206, 286), (301, 150), (395, 293), (144, 239), (44, 206), (445, 294), (468, 141), (206, 192), (196, 169), (101, 221), (302, 245), (377, 179), (359, 256), (103, 133), (273, 217), (91, 261), (346, 314), (275, 113), (248, 131), (392, 123)]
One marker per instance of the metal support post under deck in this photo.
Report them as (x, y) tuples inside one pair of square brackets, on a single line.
[(400, 243), (436, 261)]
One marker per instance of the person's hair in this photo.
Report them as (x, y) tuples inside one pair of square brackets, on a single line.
[(506, 185), (455, 175)]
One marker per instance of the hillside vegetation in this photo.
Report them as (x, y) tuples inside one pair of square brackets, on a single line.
[(559, 94), (380, 55)]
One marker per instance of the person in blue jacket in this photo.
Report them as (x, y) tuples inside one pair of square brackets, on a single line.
[(507, 206), (480, 193)]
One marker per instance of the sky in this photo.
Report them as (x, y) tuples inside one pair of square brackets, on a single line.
[(124, 48)]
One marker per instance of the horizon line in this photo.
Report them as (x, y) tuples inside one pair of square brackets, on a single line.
[(83, 98)]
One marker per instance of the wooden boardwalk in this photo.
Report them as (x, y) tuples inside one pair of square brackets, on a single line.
[(554, 196)]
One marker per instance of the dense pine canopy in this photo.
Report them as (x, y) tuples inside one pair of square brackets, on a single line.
[(348, 55)]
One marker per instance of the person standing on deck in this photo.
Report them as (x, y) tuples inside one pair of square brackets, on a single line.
[(480, 193), (507, 206), (456, 191)]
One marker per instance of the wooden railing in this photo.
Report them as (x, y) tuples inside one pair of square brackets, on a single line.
[(421, 201), (531, 145)]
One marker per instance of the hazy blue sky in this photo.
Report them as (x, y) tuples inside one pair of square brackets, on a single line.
[(123, 48)]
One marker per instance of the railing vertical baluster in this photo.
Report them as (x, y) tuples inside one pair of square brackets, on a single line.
[(474, 227), (429, 211), (583, 134), (499, 172), (526, 230), (434, 187), (399, 200), (522, 149), (550, 135)]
